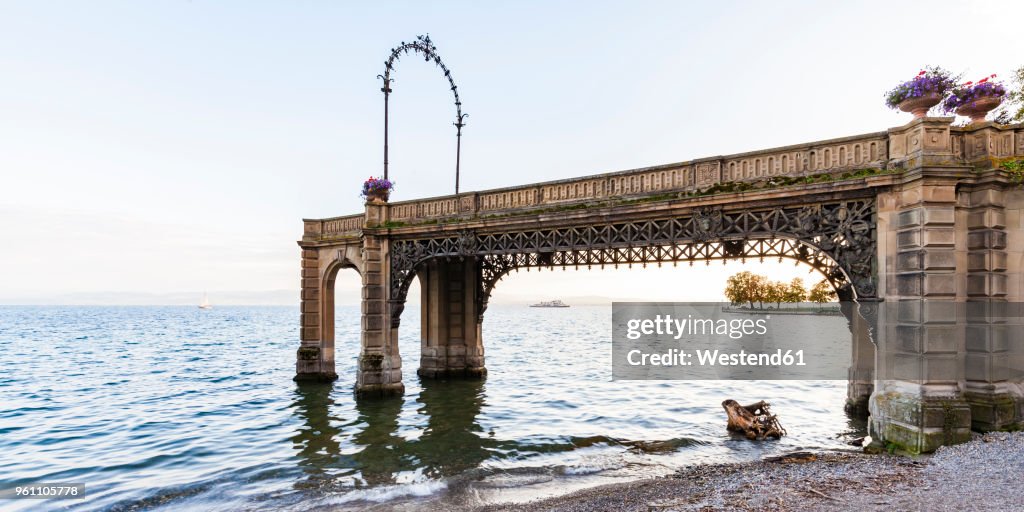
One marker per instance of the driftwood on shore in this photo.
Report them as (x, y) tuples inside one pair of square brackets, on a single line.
[(755, 421)]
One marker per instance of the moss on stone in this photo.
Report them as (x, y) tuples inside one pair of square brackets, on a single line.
[(308, 353), (371, 362)]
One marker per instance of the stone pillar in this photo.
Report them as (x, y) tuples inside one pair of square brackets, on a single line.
[(313, 361), (918, 404), (451, 337), (380, 365), (992, 338), (861, 374)]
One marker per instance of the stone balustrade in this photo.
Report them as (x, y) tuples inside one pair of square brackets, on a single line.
[(881, 150)]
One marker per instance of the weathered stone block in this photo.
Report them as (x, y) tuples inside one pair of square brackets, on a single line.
[(908, 239), (986, 261), (373, 307), (941, 338), (909, 285), (910, 424), (373, 292), (995, 411), (938, 216), (374, 322), (940, 260), (986, 239), (906, 367), (938, 237), (939, 194), (907, 339), (941, 369), (936, 285), (912, 260), (987, 218), (909, 218)]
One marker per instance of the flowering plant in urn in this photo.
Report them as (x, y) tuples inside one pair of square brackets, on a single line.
[(922, 92), (975, 99), (377, 189)]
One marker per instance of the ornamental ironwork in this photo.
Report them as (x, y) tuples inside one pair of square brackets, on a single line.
[(425, 47), (836, 238)]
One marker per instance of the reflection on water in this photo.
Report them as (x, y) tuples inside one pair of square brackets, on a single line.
[(451, 441), (173, 407)]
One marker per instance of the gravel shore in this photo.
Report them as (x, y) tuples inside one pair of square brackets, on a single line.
[(984, 474)]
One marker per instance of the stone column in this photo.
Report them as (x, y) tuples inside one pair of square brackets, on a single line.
[(918, 404), (313, 361), (380, 364), (451, 340), (861, 374), (993, 331)]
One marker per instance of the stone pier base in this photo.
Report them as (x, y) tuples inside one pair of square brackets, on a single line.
[(907, 422), (451, 323)]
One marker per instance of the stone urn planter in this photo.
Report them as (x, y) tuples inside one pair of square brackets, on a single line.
[(377, 196), (920, 105), (979, 108)]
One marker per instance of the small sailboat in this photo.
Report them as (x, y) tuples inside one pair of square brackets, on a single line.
[(205, 303)]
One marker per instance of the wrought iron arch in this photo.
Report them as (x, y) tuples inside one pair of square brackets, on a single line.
[(838, 239), (423, 46)]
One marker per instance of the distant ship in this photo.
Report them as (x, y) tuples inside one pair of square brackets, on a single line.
[(550, 304), (205, 304)]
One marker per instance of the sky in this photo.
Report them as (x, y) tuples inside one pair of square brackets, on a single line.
[(150, 151)]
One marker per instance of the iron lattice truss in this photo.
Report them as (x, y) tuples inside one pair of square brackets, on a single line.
[(836, 238)]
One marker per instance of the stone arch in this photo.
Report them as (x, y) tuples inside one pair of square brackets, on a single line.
[(327, 306)]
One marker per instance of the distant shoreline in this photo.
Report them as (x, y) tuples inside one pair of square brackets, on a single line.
[(828, 311)]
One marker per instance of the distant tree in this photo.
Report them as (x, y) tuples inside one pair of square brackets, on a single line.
[(795, 291), (775, 291), (745, 287), (822, 293)]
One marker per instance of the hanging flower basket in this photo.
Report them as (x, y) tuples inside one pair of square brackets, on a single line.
[(975, 100), (377, 190), (922, 92)]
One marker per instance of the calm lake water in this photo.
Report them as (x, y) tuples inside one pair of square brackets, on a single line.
[(174, 408)]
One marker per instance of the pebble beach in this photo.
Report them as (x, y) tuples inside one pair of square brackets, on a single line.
[(983, 474)]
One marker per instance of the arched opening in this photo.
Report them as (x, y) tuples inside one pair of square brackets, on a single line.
[(566, 349), (340, 316)]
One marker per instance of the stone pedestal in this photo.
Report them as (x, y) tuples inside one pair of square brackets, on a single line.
[(451, 336)]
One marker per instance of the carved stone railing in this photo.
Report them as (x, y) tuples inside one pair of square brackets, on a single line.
[(335, 227), (863, 151), (930, 138)]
